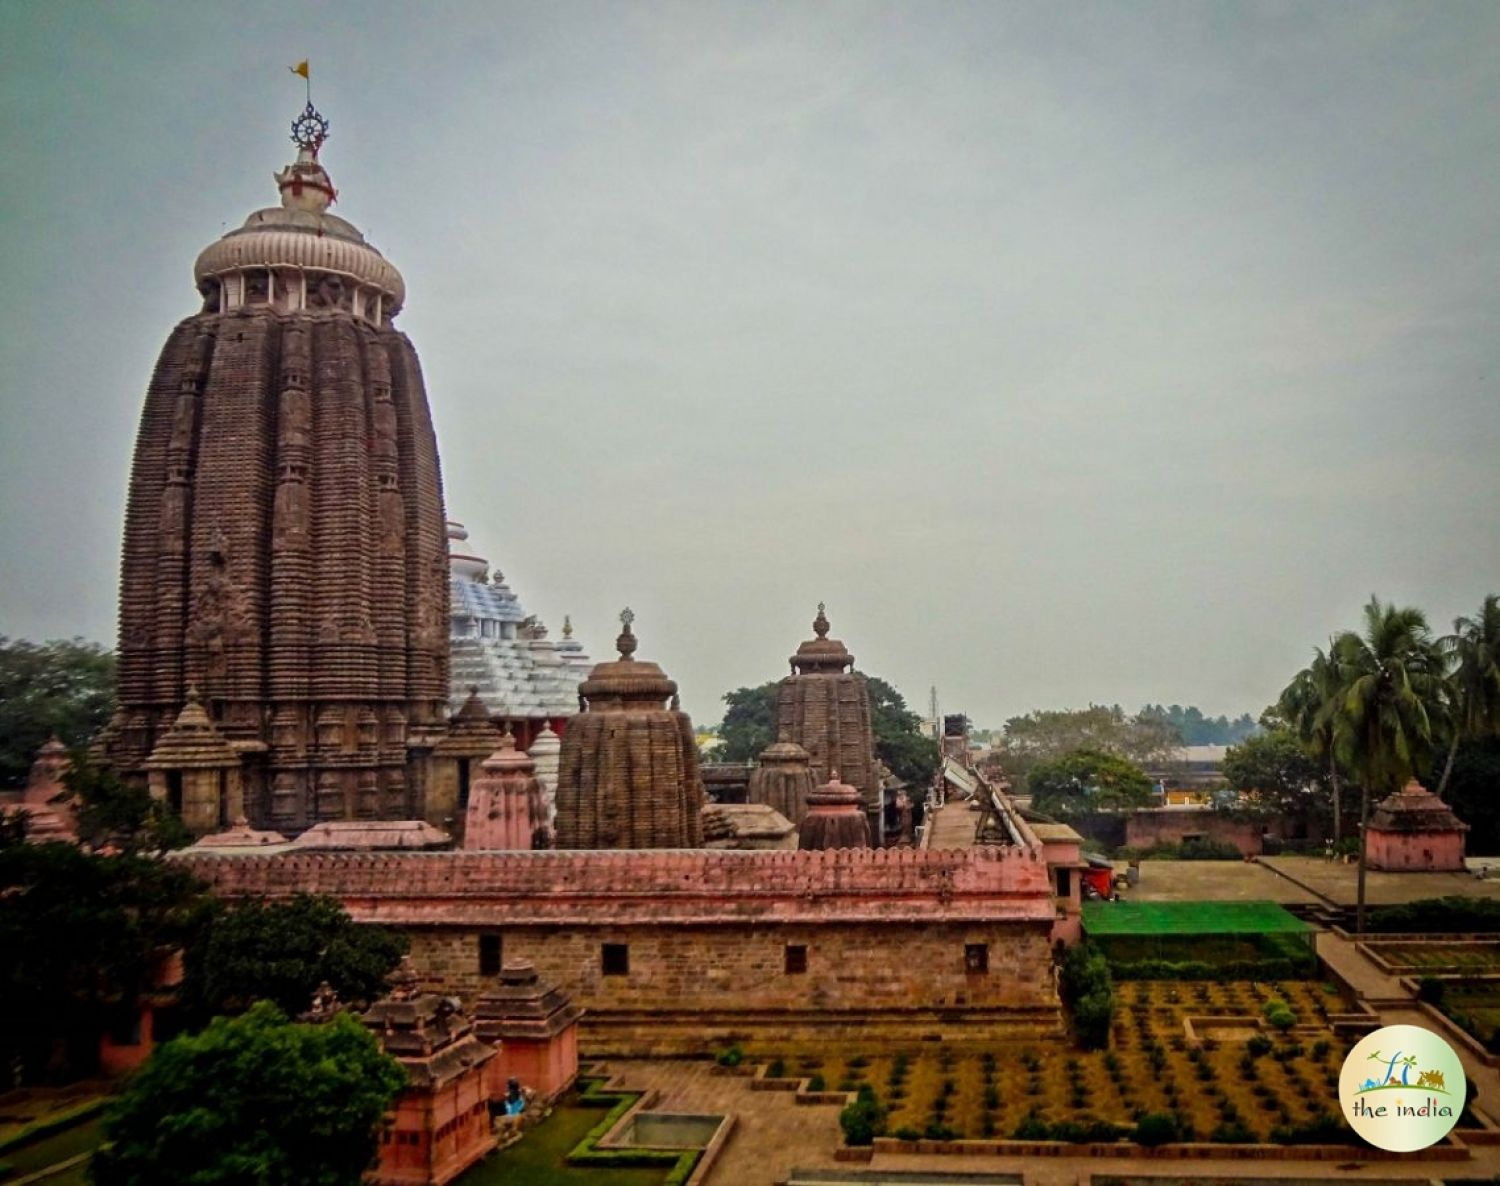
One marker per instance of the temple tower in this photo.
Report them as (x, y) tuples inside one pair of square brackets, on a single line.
[(834, 818), (284, 546), (783, 780), (824, 706), (628, 770), (506, 806)]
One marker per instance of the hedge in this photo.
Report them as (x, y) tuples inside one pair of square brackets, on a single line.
[(586, 1154)]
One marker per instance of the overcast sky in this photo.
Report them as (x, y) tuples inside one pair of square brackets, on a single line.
[(1111, 352)]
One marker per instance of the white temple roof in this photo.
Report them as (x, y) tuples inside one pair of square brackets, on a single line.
[(498, 648)]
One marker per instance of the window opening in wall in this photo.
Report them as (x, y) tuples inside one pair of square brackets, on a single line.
[(174, 791), (615, 959), (976, 957), (1064, 882), (463, 784), (796, 959), (489, 955)]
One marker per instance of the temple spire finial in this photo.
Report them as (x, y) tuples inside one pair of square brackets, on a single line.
[(567, 625), (626, 643), (820, 623)]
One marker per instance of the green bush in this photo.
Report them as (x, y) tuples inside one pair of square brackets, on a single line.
[(1232, 1133), (1156, 1128), (1283, 1019), (1323, 1129), (1430, 989), (940, 1132), (863, 1120), (815, 1083), (1438, 915), (1258, 1045), (730, 1056), (907, 1133)]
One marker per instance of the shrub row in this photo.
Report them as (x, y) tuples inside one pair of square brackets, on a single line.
[(1438, 915), (1088, 989), (1265, 969), (586, 1154)]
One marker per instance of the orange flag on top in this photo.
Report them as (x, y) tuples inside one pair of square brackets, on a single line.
[(300, 68)]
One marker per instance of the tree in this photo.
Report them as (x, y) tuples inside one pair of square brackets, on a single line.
[(1392, 676), (66, 688), (121, 816), (1087, 781), (1047, 735), (1196, 729), (1309, 705), (1471, 793), (899, 741), (1474, 686), (83, 935), (280, 952), (1275, 769), (252, 1101), (749, 723)]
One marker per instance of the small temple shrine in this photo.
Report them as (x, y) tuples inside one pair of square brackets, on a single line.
[(824, 706), (835, 818), (196, 771), (628, 769), (497, 649), (507, 808), (1414, 830), (534, 1026), (440, 1122), (783, 780), (46, 802), (472, 737)]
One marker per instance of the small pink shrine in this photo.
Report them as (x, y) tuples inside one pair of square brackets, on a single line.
[(440, 1122), (507, 805), (534, 1024), (1414, 830), (47, 802)]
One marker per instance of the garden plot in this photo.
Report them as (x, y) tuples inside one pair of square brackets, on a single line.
[(1269, 1086)]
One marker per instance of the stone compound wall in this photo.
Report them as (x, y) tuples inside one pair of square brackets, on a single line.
[(1168, 826), (680, 951)]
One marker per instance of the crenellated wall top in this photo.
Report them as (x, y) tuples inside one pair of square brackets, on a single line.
[(981, 885)]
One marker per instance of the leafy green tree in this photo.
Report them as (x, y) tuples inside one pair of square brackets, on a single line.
[(1196, 729), (121, 816), (61, 687), (1087, 781), (280, 952), (899, 741), (1471, 792), (749, 723), (83, 936), (1047, 735), (1393, 677), (1310, 705), (253, 1101), (1474, 685), (1275, 771)]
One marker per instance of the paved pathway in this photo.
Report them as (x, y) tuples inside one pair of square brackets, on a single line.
[(953, 825), (772, 1133)]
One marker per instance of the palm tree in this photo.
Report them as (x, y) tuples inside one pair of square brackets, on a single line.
[(1392, 676), (1309, 704), (1474, 647)]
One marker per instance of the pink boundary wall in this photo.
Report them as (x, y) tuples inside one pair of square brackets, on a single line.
[(978, 885)]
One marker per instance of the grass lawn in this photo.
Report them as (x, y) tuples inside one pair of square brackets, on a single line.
[(537, 1158)]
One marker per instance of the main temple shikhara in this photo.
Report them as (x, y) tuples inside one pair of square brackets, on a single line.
[(285, 627)]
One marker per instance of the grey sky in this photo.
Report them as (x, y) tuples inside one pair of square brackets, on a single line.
[(1099, 351)]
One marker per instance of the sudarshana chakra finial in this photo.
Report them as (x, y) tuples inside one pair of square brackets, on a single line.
[(820, 623), (309, 129)]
